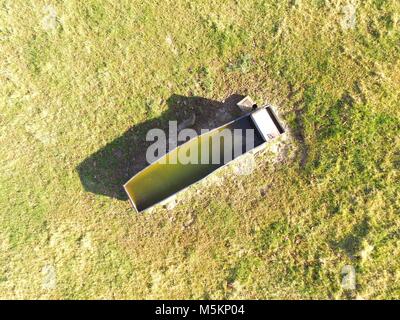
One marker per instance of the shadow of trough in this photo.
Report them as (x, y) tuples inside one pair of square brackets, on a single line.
[(105, 171)]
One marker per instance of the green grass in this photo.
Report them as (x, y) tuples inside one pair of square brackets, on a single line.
[(73, 81)]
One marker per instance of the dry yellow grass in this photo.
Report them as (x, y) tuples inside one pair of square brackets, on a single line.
[(76, 75)]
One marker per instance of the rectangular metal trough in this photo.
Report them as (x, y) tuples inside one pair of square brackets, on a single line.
[(164, 177)]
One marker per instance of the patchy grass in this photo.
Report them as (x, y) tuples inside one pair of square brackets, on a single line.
[(76, 75)]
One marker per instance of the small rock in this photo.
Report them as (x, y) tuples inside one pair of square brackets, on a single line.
[(170, 203), (214, 179), (263, 192), (348, 20), (49, 21), (189, 222), (39, 131), (150, 210), (49, 277), (274, 148), (244, 165), (170, 43), (86, 242)]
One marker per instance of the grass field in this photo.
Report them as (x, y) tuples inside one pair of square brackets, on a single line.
[(75, 76)]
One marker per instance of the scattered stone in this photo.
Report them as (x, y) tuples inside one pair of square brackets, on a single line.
[(150, 210), (168, 40), (348, 20), (214, 179), (171, 44), (189, 222), (170, 203), (39, 132), (49, 279), (244, 165), (49, 21), (171, 218), (263, 192), (86, 242), (366, 252), (157, 279)]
